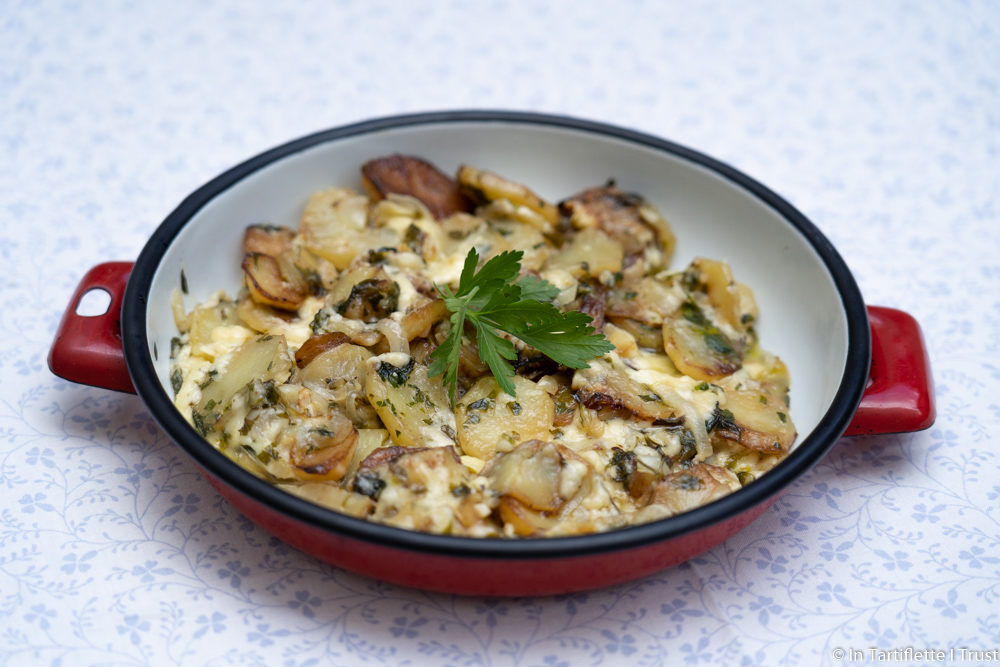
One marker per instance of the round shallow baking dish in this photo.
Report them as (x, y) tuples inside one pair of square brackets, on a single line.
[(854, 369)]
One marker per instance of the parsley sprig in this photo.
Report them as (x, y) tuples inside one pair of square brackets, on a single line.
[(493, 299)]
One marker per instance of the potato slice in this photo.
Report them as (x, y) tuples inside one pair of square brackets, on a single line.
[(413, 407), (762, 422), (336, 365), (321, 448), (722, 290), (262, 358), (485, 186), (269, 285), (697, 347), (405, 175), (591, 251), (417, 324), (625, 217), (490, 420), (204, 320), (268, 239), (613, 394), (696, 486), (334, 227)]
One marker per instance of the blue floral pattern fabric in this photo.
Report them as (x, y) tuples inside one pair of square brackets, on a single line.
[(880, 121)]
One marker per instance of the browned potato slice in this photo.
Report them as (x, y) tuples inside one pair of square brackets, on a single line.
[(337, 364), (522, 518), (538, 480), (698, 485), (761, 422), (261, 317), (623, 216), (268, 239), (486, 186), (697, 347), (405, 175), (321, 449), (268, 285), (613, 394), (417, 324), (489, 419), (317, 345)]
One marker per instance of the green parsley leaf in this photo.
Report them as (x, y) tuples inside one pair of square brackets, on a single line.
[(493, 301)]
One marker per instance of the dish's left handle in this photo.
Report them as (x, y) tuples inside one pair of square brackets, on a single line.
[(88, 348)]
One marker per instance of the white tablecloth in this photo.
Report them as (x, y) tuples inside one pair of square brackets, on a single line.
[(880, 121)]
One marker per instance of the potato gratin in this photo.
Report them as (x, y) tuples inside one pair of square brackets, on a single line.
[(318, 376)]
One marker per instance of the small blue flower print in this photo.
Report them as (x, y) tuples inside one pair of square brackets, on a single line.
[(29, 503), (896, 560), (976, 558), (492, 608), (828, 593), (133, 475), (766, 606), (767, 560), (214, 624), (823, 490), (401, 628), (76, 563), (921, 513), (829, 553), (189, 504), (38, 455), (306, 603), (796, 521), (262, 635), (552, 661), (148, 571), (42, 614), (677, 610), (625, 645), (883, 639), (234, 571), (132, 627), (950, 608)]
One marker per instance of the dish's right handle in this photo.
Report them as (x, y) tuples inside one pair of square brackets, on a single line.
[(899, 397)]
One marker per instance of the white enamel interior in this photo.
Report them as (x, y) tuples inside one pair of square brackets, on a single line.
[(802, 318)]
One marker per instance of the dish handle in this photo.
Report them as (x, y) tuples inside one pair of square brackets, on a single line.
[(899, 396), (88, 348)]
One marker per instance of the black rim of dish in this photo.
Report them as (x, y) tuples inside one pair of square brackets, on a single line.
[(803, 457)]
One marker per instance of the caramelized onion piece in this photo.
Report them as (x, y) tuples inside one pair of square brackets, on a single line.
[(406, 175)]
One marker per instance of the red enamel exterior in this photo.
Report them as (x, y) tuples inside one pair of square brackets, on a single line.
[(88, 350), (899, 397), (488, 576)]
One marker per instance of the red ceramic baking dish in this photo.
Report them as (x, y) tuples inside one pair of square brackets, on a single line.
[(855, 370)]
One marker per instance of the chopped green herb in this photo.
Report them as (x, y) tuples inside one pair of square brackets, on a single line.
[(783, 417), (395, 375), (514, 407), (493, 299)]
